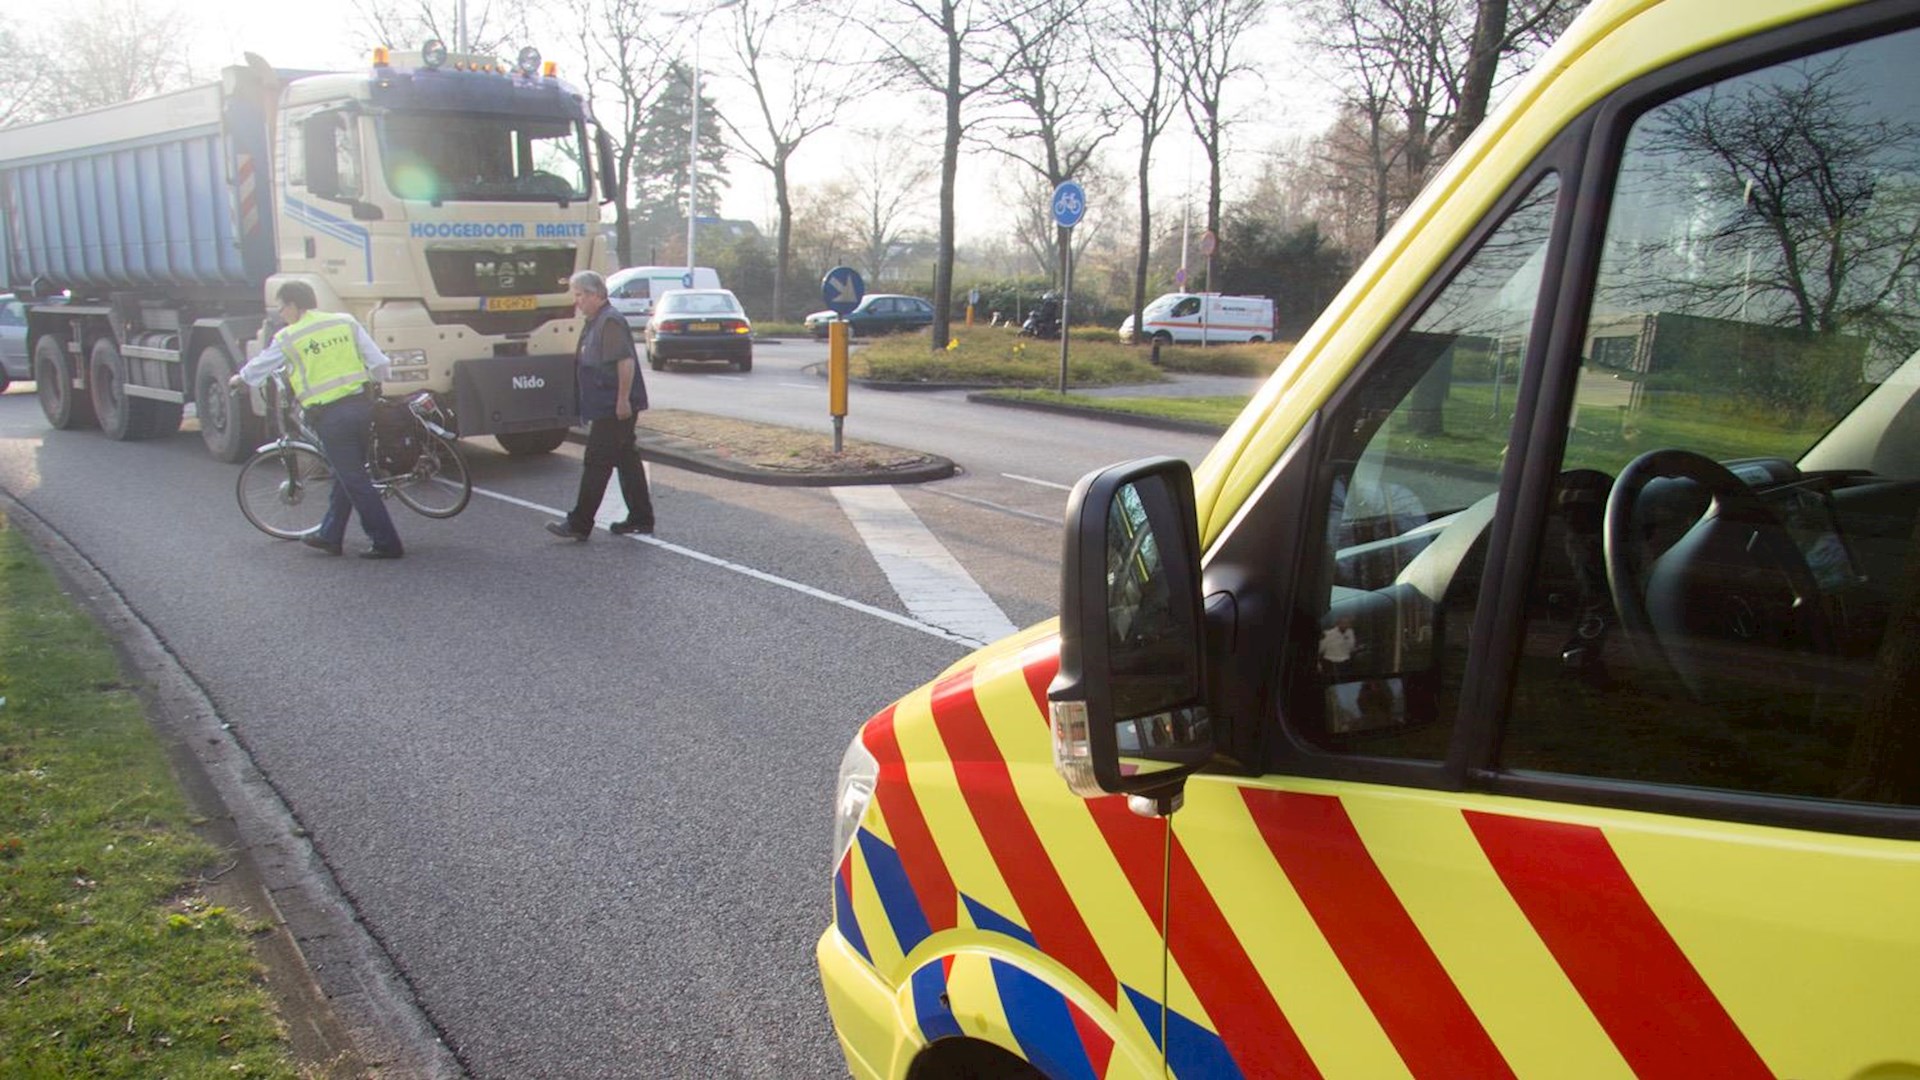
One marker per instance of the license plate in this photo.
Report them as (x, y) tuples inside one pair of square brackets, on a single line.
[(508, 303), (703, 327)]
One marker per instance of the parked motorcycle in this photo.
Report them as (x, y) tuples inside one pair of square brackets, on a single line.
[(1043, 321)]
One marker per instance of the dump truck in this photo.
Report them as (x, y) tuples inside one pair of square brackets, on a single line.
[(443, 200)]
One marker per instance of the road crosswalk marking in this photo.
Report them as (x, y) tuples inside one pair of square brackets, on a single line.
[(931, 583)]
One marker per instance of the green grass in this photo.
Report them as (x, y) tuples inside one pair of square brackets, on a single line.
[(1216, 411), (112, 963), (996, 356)]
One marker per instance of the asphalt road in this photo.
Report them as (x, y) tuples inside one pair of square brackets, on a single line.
[(579, 792)]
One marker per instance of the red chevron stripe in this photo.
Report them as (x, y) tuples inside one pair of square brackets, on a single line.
[(1097, 1043), (912, 839), (987, 785), (1040, 672), (1391, 964), (1208, 950), (1646, 994)]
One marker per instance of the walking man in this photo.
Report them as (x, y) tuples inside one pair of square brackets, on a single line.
[(332, 364), (612, 393)]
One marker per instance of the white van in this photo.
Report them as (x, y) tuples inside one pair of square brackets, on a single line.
[(633, 290), (1205, 319)]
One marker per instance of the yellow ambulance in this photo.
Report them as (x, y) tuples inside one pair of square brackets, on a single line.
[(1528, 684)]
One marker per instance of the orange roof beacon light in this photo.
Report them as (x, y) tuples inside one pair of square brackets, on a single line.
[(550, 69), (382, 57)]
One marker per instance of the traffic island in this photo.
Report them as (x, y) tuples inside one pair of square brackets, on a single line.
[(759, 453)]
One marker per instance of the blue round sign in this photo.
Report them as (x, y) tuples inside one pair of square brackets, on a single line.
[(842, 289), (1069, 204)]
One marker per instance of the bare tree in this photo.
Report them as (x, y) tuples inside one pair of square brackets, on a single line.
[(627, 65), (1057, 118), (20, 83), (1138, 69), (777, 47), (954, 50), (1419, 76), (888, 182), (494, 27), (112, 51), (1206, 53)]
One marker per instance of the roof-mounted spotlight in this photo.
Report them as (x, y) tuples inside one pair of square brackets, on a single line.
[(433, 53), (529, 61)]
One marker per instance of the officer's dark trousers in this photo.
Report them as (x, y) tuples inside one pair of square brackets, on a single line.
[(611, 448), (342, 426)]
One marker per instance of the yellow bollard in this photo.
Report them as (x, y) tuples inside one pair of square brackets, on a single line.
[(837, 335)]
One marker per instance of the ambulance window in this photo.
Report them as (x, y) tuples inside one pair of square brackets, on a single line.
[(1417, 446), (1188, 306), (1726, 595)]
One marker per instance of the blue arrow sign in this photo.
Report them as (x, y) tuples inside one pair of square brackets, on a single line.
[(1069, 204), (842, 289)]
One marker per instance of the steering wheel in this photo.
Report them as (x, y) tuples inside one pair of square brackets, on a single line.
[(1732, 576)]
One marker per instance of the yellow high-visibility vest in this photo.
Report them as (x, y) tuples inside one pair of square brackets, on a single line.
[(323, 363)]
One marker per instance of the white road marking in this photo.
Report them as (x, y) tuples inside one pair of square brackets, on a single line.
[(929, 580), (803, 386), (994, 506), (1042, 483), (930, 629)]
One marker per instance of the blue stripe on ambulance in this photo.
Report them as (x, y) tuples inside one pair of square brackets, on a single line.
[(930, 1002), (988, 919), (843, 918), (1192, 1049), (1042, 1024), (897, 898)]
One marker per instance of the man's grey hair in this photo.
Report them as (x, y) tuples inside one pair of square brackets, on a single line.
[(589, 281)]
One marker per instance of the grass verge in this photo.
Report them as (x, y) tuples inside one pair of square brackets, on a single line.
[(997, 356), (1213, 411), (112, 961)]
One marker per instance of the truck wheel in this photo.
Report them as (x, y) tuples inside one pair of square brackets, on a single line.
[(53, 371), (529, 443), (227, 423), (124, 417)]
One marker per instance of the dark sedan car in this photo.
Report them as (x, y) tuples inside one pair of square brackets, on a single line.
[(878, 313), (699, 324)]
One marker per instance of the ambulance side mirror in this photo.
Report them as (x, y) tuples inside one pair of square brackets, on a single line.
[(1127, 706)]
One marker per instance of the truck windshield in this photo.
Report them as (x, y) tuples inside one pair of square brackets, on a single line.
[(483, 157)]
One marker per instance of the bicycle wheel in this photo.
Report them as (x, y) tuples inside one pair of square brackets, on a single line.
[(283, 491), (437, 485)]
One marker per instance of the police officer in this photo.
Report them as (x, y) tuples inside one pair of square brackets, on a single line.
[(332, 365)]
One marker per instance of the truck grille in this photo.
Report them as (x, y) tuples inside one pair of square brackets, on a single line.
[(500, 273), (496, 323)]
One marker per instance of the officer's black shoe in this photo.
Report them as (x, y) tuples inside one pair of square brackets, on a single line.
[(382, 553), (314, 541), (566, 529), (629, 528)]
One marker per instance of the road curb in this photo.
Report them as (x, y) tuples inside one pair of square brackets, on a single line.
[(1191, 427), (693, 457)]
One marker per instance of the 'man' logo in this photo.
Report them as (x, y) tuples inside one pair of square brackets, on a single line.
[(528, 382)]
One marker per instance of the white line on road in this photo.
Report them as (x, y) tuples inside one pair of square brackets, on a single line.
[(984, 504), (758, 575), (803, 386), (929, 580), (1042, 483)]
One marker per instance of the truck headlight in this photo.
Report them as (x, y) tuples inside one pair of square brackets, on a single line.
[(852, 793), (409, 365)]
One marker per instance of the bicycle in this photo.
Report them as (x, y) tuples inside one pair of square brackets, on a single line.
[(283, 489)]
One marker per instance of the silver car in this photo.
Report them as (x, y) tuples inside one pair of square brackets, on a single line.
[(14, 361)]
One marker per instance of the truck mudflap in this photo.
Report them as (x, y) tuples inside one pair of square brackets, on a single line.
[(506, 394)]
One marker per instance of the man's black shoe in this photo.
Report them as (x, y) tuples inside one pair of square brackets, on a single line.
[(628, 528), (314, 541), (566, 529), (382, 553)]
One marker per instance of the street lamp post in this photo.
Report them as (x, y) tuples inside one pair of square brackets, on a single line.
[(693, 126)]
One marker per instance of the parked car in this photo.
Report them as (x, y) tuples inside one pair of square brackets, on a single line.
[(14, 362), (699, 324), (878, 313)]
